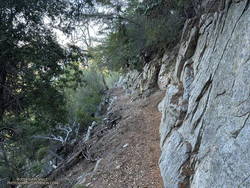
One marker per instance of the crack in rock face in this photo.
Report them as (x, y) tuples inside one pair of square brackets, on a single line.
[(205, 126)]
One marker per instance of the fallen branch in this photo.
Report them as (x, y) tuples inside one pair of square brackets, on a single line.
[(74, 159), (64, 140)]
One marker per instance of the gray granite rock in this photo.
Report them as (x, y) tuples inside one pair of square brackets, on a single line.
[(136, 82), (205, 127)]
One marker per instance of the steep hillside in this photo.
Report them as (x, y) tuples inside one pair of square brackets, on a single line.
[(124, 151)]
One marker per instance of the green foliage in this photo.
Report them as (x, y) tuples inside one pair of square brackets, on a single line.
[(4, 170), (36, 167), (40, 154), (142, 27), (83, 102), (33, 69), (162, 30), (111, 78)]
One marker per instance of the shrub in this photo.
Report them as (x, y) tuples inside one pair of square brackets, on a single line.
[(111, 78), (83, 101), (4, 172), (41, 153), (149, 26), (36, 167)]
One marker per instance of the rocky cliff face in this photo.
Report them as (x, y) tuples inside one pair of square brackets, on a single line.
[(205, 126)]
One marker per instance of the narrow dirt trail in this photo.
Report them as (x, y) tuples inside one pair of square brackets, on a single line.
[(128, 153), (131, 150)]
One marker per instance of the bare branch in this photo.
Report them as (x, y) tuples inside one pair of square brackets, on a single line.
[(52, 137), (63, 140)]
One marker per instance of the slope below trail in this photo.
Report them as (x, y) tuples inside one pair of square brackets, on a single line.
[(129, 152)]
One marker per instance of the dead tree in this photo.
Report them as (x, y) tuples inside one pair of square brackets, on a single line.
[(63, 139)]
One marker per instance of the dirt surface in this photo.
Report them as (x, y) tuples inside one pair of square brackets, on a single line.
[(127, 153)]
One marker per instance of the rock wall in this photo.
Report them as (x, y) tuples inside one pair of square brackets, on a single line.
[(155, 74), (205, 126), (140, 82)]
